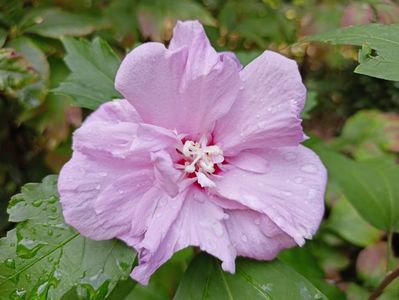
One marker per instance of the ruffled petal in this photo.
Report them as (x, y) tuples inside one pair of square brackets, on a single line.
[(122, 200), (167, 85), (80, 182), (108, 132), (165, 173), (291, 193), (193, 221), (254, 235), (266, 113)]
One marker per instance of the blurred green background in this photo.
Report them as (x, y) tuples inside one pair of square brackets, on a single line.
[(354, 114)]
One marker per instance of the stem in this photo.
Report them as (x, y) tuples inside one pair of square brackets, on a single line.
[(389, 250), (387, 280)]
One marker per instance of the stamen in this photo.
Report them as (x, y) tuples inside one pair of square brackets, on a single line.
[(201, 159)]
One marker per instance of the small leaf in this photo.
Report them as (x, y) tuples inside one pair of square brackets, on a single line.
[(371, 186), (44, 258), (55, 23), (33, 95), (384, 39), (93, 66), (205, 279), (16, 72)]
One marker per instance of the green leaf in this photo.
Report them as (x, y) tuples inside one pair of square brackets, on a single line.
[(346, 222), (33, 95), (205, 279), (16, 72), (303, 262), (3, 37), (44, 258), (384, 39), (55, 23), (93, 66), (310, 103), (34, 54), (371, 186), (369, 134)]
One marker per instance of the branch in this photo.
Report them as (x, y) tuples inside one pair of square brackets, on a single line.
[(387, 280)]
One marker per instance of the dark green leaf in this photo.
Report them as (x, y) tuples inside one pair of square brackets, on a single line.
[(55, 23), (44, 258), (205, 279), (371, 186), (384, 39), (303, 261), (93, 66)]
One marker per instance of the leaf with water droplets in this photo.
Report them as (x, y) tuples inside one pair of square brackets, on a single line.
[(205, 279), (43, 249)]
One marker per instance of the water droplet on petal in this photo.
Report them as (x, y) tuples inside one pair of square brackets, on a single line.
[(312, 193), (244, 238), (290, 156), (298, 180), (309, 168), (98, 187), (257, 221), (218, 229)]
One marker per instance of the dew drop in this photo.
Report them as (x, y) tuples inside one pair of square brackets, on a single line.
[(309, 168), (98, 187), (162, 202), (9, 262), (290, 156), (298, 180), (244, 238), (286, 193), (52, 200), (121, 192), (218, 229), (18, 294), (53, 209), (103, 174), (50, 232), (257, 221), (312, 193), (37, 203)]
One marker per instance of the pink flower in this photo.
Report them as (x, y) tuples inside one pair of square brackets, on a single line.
[(200, 153)]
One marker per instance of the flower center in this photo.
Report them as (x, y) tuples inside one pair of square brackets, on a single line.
[(201, 160)]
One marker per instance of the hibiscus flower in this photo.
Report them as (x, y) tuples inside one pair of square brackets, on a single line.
[(201, 152)]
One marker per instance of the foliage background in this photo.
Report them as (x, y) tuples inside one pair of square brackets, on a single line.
[(351, 114)]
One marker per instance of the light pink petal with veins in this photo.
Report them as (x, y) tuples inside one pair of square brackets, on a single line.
[(290, 193), (266, 113), (186, 87)]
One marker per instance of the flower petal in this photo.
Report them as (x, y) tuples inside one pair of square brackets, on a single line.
[(194, 221), (291, 193), (266, 113), (167, 85), (254, 235), (165, 173), (79, 184), (108, 132)]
